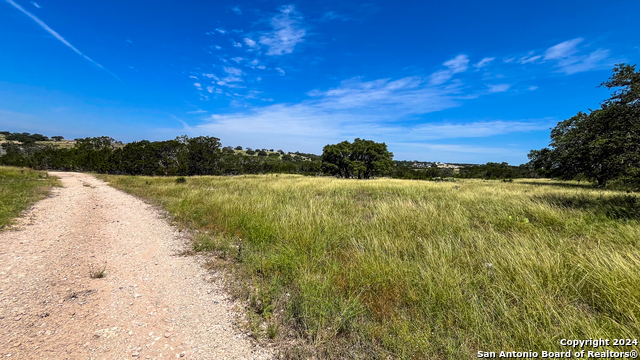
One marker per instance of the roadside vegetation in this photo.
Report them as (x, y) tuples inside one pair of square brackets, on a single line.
[(411, 269), (19, 189)]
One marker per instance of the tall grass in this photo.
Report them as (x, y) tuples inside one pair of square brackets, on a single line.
[(20, 188), (407, 269)]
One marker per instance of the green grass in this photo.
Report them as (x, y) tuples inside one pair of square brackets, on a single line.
[(410, 269), (19, 189)]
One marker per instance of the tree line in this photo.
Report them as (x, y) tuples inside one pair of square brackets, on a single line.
[(602, 146), (204, 155), (183, 156)]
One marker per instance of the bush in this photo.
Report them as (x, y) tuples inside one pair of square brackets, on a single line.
[(181, 180)]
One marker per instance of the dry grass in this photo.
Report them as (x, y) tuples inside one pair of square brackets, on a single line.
[(409, 269), (19, 189)]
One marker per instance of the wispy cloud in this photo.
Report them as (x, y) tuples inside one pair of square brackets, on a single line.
[(375, 109), (221, 31), (35, 4), (529, 59), (251, 43), (59, 37), (569, 62), (311, 124), (484, 62), (496, 88), (280, 71), (233, 75), (594, 60), (199, 111), (456, 65), (236, 10), (288, 31), (562, 50)]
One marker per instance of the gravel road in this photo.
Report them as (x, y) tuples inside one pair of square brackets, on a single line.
[(151, 304)]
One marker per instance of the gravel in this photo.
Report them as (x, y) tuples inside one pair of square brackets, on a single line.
[(151, 304)]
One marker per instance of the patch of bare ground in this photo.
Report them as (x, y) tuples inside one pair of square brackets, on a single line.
[(148, 304)]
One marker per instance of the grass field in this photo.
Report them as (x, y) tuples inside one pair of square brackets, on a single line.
[(409, 269), (20, 188)]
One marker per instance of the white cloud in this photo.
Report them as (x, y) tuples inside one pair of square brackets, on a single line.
[(476, 129), (280, 71), (221, 31), (456, 65), (199, 111), (237, 59), (532, 88), (569, 62), (287, 32), (528, 59), (440, 77), (594, 60), (495, 88), (233, 71), (237, 10), (409, 95), (254, 63), (311, 124), (218, 47), (60, 38), (193, 77), (210, 76), (251, 43), (198, 86), (234, 75), (484, 62), (210, 89), (36, 5), (562, 50), (236, 44), (262, 67), (373, 110)]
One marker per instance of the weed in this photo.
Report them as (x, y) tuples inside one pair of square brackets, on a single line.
[(272, 330), (97, 272)]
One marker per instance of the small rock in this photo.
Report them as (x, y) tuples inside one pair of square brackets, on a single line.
[(167, 335), (135, 354)]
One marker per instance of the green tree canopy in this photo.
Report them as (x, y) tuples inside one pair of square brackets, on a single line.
[(603, 144), (361, 159)]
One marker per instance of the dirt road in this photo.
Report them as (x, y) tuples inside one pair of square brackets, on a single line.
[(151, 304)]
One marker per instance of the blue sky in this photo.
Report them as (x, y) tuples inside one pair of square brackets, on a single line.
[(453, 81)]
